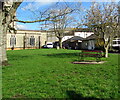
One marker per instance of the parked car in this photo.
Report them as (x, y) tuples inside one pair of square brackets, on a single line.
[(44, 46), (49, 45)]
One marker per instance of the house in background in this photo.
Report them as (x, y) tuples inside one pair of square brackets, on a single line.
[(67, 37), (96, 43), (26, 39), (73, 43), (83, 32), (51, 36), (92, 42), (33, 39)]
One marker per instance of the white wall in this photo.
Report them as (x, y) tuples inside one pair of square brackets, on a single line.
[(66, 37), (83, 34)]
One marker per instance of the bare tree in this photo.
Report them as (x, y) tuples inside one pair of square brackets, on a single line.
[(103, 20), (63, 24)]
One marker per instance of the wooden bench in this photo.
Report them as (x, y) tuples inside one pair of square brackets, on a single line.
[(91, 53)]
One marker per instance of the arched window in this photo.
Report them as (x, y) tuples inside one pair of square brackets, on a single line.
[(32, 41), (12, 40)]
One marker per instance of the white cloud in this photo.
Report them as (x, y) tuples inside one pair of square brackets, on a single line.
[(35, 5), (28, 6), (42, 0), (22, 27), (70, 0), (62, 0)]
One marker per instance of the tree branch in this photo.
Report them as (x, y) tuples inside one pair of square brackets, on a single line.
[(46, 19)]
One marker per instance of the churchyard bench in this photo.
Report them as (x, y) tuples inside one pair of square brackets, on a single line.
[(91, 53)]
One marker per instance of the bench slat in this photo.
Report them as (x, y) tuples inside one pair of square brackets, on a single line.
[(91, 51), (91, 54)]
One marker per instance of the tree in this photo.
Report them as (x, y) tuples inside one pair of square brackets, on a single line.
[(103, 20), (7, 14), (61, 25)]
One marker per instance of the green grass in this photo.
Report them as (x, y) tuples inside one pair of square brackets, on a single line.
[(49, 73)]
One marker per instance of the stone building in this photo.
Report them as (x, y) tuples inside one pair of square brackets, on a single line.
[(26, 39), (35, 39)]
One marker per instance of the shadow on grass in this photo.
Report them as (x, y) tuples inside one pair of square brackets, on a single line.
[(18, 57), (74, 96), (63, 55)]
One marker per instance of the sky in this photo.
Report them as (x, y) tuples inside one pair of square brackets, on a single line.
[(29, 10)]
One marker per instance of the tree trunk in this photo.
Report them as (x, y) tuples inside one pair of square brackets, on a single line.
[(1, 28), (106, 51), (3, 31), (3, 56), (60, 42)]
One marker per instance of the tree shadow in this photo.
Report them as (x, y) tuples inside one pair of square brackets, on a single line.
[(18, 57), (63, 55), (74, 96)]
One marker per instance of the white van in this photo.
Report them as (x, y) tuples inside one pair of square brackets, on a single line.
[(49, 45)]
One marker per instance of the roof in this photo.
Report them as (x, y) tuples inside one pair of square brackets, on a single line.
[(33, 30), (92, 37), (75, 38)]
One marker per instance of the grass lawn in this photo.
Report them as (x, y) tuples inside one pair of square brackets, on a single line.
[(49, 73)]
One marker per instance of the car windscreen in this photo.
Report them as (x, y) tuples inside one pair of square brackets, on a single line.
[(49, 44)]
